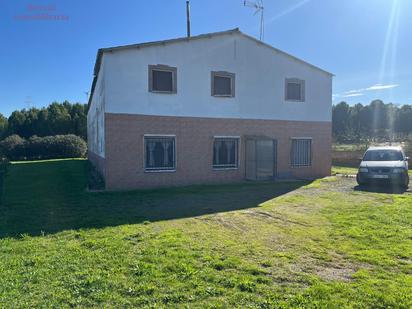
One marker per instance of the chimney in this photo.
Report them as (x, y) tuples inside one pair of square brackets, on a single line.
[(188, 18)]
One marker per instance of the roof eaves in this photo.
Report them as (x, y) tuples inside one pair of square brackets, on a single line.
[(169, 41)]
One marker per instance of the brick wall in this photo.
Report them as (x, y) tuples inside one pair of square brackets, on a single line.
[(124, 151), (347, 158)]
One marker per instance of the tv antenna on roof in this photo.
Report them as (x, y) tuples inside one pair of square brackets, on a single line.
[(258, 6)]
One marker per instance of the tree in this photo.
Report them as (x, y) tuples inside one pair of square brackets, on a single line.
[(379, 117), (376, 120), (355, 122), (3, 126), (340, 119), (59, 119), (403, 122), (16, 123), (31, 122), (43, 123), (78, 114)]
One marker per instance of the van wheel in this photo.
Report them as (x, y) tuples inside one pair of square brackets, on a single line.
[(406, 184), (360, 183)]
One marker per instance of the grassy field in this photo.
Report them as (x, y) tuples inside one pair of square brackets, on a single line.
[(344, 170), (349, 147), (260, 245)]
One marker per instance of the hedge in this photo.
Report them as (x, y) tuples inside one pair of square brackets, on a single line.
[(12, 146), (4, 164), (49, 147)]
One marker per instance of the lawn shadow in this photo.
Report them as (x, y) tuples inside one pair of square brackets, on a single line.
[(49, 197)]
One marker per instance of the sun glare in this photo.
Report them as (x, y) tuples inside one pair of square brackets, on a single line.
[(388, 61)]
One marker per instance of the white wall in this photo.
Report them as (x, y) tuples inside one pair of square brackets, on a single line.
[(260, 81), (95, 117)]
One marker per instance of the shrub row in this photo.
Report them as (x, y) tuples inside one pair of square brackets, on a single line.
[(4, 164), (15, 147)]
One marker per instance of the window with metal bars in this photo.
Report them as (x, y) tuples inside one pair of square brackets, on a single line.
[(159, 153), (225, 153), (301, 152)]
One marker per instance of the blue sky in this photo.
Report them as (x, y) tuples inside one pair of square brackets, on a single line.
[(367, 44)]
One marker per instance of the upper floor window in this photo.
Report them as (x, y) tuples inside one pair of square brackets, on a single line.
[(162, 79), (295, 90), (223, 84)]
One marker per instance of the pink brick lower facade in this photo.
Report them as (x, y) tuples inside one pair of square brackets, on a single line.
[(123, 165)]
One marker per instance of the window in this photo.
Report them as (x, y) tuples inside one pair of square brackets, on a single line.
[(223, 84), (301, 154), (383, 155), (295, 90), (160, 153), (225, 152), (162, 79)]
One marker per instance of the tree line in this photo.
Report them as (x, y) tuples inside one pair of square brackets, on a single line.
[(377, 120), (354, 123), (55, 119)]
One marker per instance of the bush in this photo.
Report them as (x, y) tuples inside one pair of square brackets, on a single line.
[(12, 146), (49, 147), (54, 147), (4, 164)]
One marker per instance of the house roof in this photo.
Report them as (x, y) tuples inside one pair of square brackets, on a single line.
[(101, 51)]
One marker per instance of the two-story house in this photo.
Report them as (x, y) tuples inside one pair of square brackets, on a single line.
[(218, 107)]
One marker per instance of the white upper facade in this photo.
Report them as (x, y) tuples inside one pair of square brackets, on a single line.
[(261, 71)]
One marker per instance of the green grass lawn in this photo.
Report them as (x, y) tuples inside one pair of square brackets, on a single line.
[(324, 244), (344, 170), (349, 147)]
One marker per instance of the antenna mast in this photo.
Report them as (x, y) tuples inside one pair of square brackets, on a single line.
[(258, 6), (188, 18)]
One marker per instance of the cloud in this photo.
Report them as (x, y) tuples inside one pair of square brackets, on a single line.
[(373, 88), (357, 94), (360, 92), (381, 87), (287, 11), (354, 91)]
